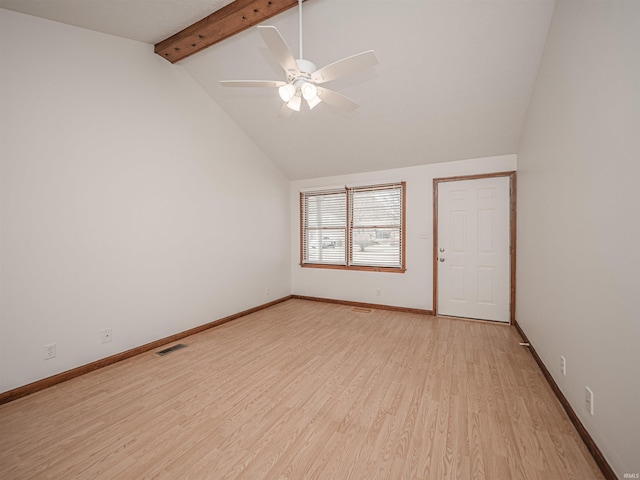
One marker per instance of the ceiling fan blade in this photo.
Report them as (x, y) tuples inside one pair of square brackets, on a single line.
[(336, 99), (346, 66), (252, 83), (279, 48)]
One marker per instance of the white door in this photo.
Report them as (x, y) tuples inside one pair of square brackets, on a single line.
[(473, 262)]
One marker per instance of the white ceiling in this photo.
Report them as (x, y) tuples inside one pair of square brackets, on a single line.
[(148, 21), (454, 80)]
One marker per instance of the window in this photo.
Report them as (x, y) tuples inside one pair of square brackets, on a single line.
[(360, 228)]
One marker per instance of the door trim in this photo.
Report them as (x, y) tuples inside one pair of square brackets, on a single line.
[(512, 234)]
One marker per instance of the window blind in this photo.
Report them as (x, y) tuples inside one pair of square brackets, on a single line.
[(359, 227), (324, 220), (376, 226)]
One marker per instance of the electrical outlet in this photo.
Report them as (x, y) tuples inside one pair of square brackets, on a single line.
[(50, 351), (563, 365), (267, 291), (378, 292), (106, 335), (588, 398)]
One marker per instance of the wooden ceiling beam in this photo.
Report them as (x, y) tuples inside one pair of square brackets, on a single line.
[(229, 20)]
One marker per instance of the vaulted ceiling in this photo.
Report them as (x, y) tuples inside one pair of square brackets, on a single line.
[(454, 79)]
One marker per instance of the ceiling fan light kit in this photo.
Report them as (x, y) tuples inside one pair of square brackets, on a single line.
[(309, 91), (313, 102), (286, 92), (295, 103), (303, 77)]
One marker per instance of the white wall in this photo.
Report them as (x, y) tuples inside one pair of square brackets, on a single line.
[(129, 201), (412, 289), (579, 218)]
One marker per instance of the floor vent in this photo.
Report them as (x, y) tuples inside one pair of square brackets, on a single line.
[(361, 310), (171, 349)]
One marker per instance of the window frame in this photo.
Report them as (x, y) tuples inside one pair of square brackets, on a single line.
[(349, 228)]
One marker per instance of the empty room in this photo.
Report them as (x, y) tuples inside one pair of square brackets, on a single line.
[(320, 239)]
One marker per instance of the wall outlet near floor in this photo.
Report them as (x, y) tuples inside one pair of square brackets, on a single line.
[(50, 351), (267, 291), (563, 365), (588, 398), (106, 335), (378, 292)]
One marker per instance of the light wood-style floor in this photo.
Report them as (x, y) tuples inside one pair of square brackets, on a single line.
[(305, 390)]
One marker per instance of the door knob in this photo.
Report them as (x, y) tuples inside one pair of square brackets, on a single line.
[(442, 259), (441, 249)]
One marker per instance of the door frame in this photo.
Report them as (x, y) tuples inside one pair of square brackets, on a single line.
[(512, 234)]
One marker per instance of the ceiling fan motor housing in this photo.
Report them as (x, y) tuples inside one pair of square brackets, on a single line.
[(305, 67)]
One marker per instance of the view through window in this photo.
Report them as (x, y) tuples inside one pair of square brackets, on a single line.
[(354, 227)]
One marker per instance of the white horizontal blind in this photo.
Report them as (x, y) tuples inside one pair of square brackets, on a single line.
[(376, 226), (353, 226), (324, 227)]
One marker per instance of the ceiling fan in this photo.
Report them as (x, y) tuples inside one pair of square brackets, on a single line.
[(303, 77)]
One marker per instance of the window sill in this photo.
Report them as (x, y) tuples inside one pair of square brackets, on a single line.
[(355, 267)]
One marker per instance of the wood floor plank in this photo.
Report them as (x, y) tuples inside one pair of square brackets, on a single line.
[(305, 390)]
